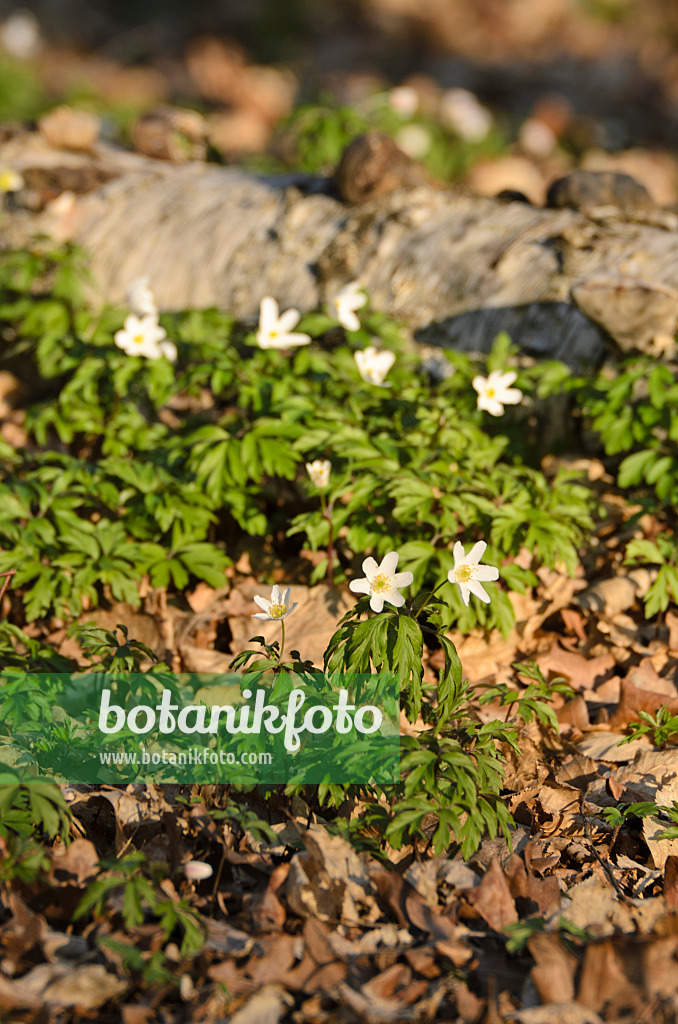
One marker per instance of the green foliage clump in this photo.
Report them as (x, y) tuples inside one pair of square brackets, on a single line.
[(141, 468), (634, 410)]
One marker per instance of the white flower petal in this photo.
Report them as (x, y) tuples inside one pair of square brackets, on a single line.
[(286, 598), (348, 319), (268, 314), (360, 586), (476, 553), (485, 573), (275, 594), (377, 602), (287, 320), (458, 552), (465, 592), (370, 567), (264, 616), (389, 563), (402, 579), (503, 380), (262, 603), (512, 396), (169, 350), (294, 340), (476, 588), (394, 598)]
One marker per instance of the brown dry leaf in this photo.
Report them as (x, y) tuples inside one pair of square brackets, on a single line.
[(578, 771), (238, 132), (423, 961), (574, 715), (10, 390), (646, 677), (276, 954), (76, 864), (556, 1013), (269, 914), (370, 1011), (483, 656), (660, 849), (610, 978), (539, 894), (597, 907), (340, 861), (389, 936), (604, 746), (580, 672), (652, 775), (225, 940), (308, 630), (609, 597), (65, 128), (203, 659), (21, 933), (492, 899), (574, 623), (562, 803), (632, 700), (555, 967), (671, 881), (395, 985), (86, 987), (203, 596), (268, 1006), (671, 622), (171, 133)]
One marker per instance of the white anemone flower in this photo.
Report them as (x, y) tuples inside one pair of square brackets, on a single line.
[(277, 608), (275, 328), (469, 574), (382, 582), (143, 336), (461, 111), (373, 364), (404, 100), (319, 472), (140, 298), (197, 870), (494, 392), (346, 301), (414, 140), (10, 180)]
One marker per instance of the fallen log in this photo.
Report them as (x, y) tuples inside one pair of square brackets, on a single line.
[(455, 267)]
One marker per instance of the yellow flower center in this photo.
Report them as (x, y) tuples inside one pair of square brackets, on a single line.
[(380, 583), (278, 611), (490, 392), (138, 339), (464, 573)]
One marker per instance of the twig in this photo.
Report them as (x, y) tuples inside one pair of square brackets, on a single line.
[(604, 864), (7, 577)]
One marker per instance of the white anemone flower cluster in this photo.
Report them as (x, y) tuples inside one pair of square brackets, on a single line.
[(275, 329), (319, 472), (373, 364), (469, 574), (382, 582), (277, 608), (345, 303), (141, 334), (494, 392)]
